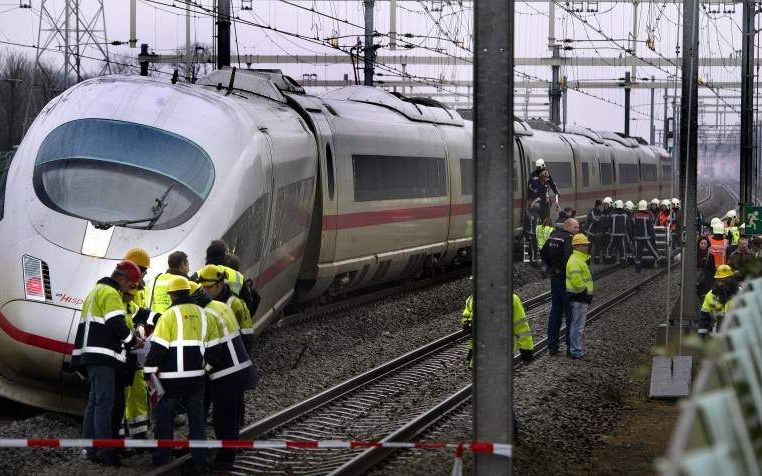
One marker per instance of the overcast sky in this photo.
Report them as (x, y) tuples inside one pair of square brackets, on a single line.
[(439, 29)]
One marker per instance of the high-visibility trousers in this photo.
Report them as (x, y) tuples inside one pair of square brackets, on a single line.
[(136, 409)]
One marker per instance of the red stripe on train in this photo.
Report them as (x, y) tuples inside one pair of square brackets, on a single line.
[(34, 340)]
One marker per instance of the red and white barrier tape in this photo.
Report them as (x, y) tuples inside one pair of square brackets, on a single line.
[(474, 447)]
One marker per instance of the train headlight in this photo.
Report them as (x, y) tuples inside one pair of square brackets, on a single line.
[(34, 281)]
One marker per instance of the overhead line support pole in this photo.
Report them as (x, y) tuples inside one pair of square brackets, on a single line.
[(652, 135), (747, 107), (493, 165), (688, 157), (223, 33), (370, 52), (627, 90)]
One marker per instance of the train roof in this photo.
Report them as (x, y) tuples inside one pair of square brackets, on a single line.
[(614, 137), (415, 109), (273, 84), (584, 131)]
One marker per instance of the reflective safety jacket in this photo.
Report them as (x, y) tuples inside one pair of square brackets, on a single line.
[(579, 281), (242, 315), (734, 234), (158, 298), (618, 223), (102, 337), (594, 222), (233, 279), (137, 316), (718, 249), (140, 298), (232, 353), (543, 233), (522, 333), (179, 347), (642, 226), (713, 307)]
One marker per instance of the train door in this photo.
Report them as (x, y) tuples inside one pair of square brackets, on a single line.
[(315, 277), (265, 310), (520, 177)]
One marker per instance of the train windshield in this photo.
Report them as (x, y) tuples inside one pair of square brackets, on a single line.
[(117, 173)]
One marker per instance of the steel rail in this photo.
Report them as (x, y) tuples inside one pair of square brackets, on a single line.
[(371, 457)]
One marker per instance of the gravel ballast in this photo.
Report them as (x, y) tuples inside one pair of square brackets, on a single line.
[(564, 407), (298, 361)]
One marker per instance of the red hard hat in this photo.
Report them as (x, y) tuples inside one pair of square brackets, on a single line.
[(129, 269)]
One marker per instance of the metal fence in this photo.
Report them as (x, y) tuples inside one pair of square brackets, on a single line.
[(720, 428)]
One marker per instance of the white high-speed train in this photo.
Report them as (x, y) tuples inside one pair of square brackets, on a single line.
[(316, 195)]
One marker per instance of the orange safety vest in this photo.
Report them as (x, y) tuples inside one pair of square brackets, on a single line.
[(717, 249)]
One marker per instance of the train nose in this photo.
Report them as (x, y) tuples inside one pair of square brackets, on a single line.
[(35, 343)]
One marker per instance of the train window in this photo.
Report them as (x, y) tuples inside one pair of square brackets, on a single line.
[(628, 173), (666, 172), (607, 173), (648, 172), (466, 176), (379, 177), (585, 174), (5, 164), (293, 211), (122, 174), (329, 171), (245, 236), (561, 173)]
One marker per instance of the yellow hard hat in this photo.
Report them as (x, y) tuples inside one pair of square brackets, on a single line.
[(193, 286), (723, 271), (211, 274), (178, 283), (139, 256), (580, 239)]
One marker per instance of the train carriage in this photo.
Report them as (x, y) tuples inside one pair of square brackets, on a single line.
[(316, 195)]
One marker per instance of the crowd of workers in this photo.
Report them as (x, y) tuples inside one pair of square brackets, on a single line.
[(177, 342), (725, 257)]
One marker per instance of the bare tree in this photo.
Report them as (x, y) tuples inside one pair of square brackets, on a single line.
[(200, 62), (15, 69)]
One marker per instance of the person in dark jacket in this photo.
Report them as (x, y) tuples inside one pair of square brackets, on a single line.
[(555, 254), (531, 220), (539, 185), (617, 231), (593, 231), (100, 346), (705, 267), (642, 229)]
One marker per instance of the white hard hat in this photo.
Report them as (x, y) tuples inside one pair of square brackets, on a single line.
[(715, 221), (619, 204), (608, 200), (666, 202), (731, 214), (539, 163), (655, 201), (675, 202), (629, 205), (642, 205), (718, 229)]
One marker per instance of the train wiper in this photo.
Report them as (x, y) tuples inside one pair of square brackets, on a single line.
[(105, 225), (159, 206), (157, 209)]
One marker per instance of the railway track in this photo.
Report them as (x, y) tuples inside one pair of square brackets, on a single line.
[(364, 399), (455, 402), (326, 310)]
